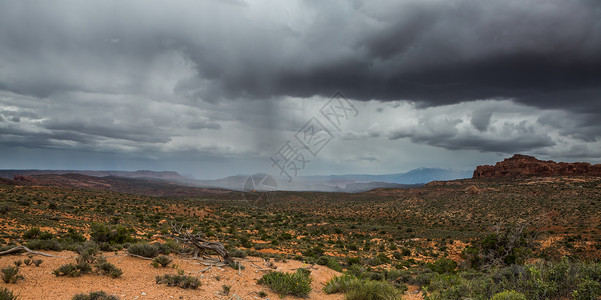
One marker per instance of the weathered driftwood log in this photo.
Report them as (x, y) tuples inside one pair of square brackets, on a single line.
[(23, 248), (199, 244)]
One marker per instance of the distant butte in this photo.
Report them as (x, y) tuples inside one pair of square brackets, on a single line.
[(524, 165)]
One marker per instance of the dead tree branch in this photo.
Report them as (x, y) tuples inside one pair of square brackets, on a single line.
[(23, 248), (200, 245)]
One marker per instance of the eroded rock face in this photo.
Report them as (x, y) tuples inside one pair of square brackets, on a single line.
[(524, 165)]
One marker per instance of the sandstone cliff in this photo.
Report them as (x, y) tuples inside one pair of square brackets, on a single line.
[(523, 165)]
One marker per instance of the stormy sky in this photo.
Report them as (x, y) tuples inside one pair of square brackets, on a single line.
[(216, 88)]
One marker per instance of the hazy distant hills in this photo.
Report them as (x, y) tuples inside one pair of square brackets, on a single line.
[(346, 183), (333, 183), (139, 186), (164, 175)]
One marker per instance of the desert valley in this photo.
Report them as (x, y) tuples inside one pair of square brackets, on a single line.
[(524, 226)]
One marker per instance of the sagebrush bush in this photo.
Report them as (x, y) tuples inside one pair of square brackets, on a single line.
[(509, 295), (6, 294), (238, 253), (99, 295), (104, 234), (359, 289), (89, 248), (32, 233), (179, 280), (145, 250), (11, 275), (587, 289), (340, 284), (443, 265), (73, 270), (543, 280), (106, 268), (296, 284), (162, 261), (52, 245), (374, 290)]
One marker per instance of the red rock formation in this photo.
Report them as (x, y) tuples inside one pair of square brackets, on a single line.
[(523, 165)]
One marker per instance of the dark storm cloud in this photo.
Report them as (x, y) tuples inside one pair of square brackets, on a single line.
[(146, 76), (539, 52)]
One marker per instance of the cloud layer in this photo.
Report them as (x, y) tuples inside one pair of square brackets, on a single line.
[(222, 79)]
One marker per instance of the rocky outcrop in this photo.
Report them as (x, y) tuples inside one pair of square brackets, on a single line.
[(524, 165)]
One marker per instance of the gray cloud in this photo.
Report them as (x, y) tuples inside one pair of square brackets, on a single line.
[(225, 78)]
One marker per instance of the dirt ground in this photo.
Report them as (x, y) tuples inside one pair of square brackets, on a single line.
[(138, 279)]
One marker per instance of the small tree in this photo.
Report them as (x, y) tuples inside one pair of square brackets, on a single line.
[(507, 245)]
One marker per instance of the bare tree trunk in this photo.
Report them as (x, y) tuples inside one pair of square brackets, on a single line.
[(23, 248), (200, 244)]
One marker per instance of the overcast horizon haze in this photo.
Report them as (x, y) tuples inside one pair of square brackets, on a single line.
[(216, 88)]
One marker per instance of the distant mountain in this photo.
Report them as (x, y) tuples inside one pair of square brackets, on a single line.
[(140, 186), (163, 175), (351, 183), (415, 176)]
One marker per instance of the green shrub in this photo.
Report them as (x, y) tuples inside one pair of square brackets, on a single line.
[(6, 294), (314, 252), (226, 289), (52, 245), (182, 281), (322, 261), (362, 289), (443, 265), (340, 284), (89, 248), (85, 258), (238, 253), (334, 264), (352, 261), (73, 270), (374, 290), (144, 250), (99, 295), (32, 233), (106, 268), (73, 236), (37, 262), (511, 245), (588, 289), (296, 284), (104, 234), (375, 261), (509, 295), (162, 261), (543, 280), (11, 275)]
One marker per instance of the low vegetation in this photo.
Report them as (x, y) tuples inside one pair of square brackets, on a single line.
[(11, 275), (6, 294), (99, 295), (439, 237), (179, 280), (84, 266), (296, 284), (162, 261), (357, 289)]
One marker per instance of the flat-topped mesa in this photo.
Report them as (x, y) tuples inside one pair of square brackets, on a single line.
[(524, 165)]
